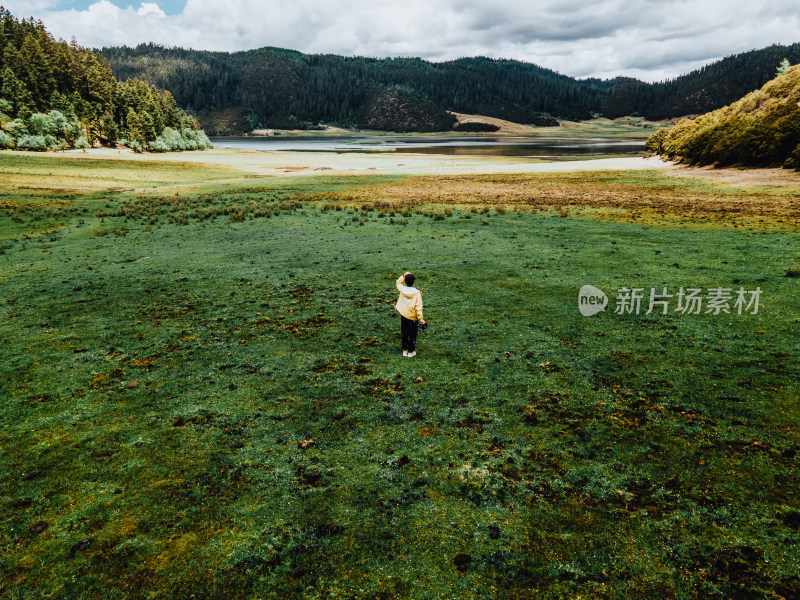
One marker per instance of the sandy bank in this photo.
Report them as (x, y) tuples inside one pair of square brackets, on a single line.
[(327, 163), (250, 162)]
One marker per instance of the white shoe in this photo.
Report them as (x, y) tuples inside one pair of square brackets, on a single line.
[(405, 352), (410, 354)]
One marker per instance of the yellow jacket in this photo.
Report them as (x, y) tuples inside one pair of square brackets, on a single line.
[(409, 304)]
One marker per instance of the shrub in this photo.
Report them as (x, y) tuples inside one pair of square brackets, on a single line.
[(32, 142), (655, 141), (196, 139), (41, 124), (58, 130), (476, 127), (17, 127), (6, 140), (158, 145), (172, 140), (60, 124), (52, 141)]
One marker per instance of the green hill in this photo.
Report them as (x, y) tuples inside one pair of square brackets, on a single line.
[(273, 87), (285, 89), (55, 95), (762, 129), (712, 86)]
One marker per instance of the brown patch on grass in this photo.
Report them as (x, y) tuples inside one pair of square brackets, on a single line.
[(736, 175), (618, 196), (426, 431)]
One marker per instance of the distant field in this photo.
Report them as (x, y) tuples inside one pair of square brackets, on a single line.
[(622, 128), (203, 394)]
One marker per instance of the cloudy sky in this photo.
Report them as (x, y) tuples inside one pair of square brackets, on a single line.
[(648, 39)]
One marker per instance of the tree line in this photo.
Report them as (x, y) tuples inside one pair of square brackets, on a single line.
[(55, 94), (280, 88)]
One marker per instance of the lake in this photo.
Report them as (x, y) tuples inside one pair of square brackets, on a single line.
[(540, 148)]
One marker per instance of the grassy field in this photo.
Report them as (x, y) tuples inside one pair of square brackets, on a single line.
[(203, 394)]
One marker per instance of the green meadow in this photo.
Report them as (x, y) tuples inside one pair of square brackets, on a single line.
[(202, 393)]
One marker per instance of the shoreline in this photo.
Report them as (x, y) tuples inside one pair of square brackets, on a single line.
[(623, 128), (284, 163), (289, 163)]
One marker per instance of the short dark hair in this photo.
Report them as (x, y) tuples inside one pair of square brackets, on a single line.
[(410, 280)]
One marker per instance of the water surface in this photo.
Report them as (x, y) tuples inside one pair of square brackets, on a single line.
[(473, 146)]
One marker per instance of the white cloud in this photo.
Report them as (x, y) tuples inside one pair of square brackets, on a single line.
[(150, 9), (23, 9), (650, 39)]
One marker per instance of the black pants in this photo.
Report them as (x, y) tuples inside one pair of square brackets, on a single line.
[(408, 333)]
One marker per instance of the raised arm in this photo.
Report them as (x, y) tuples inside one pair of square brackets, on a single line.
[(402, 279)]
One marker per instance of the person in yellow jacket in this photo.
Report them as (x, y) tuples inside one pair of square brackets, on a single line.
[(409, 305)]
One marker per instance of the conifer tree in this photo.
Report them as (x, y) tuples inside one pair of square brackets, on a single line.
[(56, 94)]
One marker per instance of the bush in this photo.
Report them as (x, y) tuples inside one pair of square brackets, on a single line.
[(169, 140), (158, 145), (654, 142), (476, 127), (32, 142), (6, 140), (17, 127), (52, 141), (40, 124), (172, 140), (53, 127), (60, 125), (198, 138)]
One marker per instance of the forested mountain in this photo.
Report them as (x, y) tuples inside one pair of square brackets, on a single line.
[(282, 88), (762, 129), (55, 94), (709, 87), (273, 87)]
